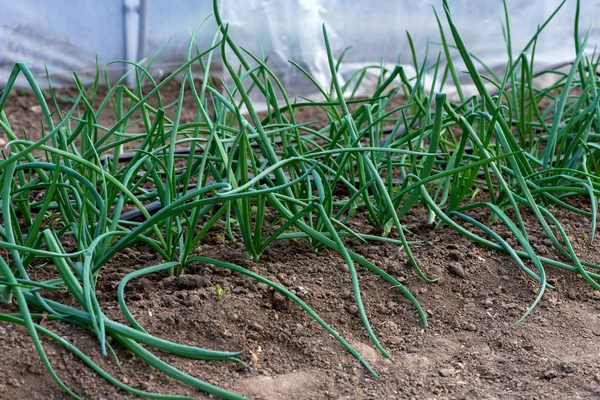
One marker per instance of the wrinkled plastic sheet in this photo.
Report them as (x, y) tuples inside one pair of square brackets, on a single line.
[(62, 35), (377, 34), (67, 36)]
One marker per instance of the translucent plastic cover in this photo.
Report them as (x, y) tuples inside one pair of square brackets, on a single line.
[(67, 36), (377, 32)]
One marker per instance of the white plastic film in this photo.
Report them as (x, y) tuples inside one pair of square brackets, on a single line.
[(67, 36), (376, 31)]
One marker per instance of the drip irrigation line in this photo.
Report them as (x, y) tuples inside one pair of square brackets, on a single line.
[(155, 206)]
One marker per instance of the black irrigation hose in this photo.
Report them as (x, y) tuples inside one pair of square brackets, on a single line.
[(130, 155), (151, 208), (155, 206)]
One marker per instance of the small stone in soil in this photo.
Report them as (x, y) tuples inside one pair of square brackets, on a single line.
[(446, 372), (353, 309), (456, 269), (257, 327), (36, 109), (550, 374), (471, 327)]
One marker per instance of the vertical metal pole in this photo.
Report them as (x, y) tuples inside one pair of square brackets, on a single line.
[(142, 35), (132, 32)]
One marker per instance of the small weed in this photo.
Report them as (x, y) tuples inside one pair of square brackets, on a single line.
[(54, 220), (220, 292)]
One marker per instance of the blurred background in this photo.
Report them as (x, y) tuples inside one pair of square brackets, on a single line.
[(67, 36)]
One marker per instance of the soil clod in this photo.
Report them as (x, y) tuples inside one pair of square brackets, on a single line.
[(456, 269)]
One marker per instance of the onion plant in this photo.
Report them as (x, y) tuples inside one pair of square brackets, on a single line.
[(496, 151)]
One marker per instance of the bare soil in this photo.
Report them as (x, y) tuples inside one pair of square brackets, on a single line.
[(469, 351)]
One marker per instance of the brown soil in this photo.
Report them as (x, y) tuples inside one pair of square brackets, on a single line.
[(469, 351)]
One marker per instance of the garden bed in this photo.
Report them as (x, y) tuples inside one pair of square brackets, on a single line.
[(169, 240), (469, 350)]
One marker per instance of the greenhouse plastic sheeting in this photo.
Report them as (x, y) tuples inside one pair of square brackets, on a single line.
[(377, 32), (67, 36), (64, 35)]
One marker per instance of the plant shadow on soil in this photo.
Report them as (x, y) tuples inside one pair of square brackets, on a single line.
[(470, 349)]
